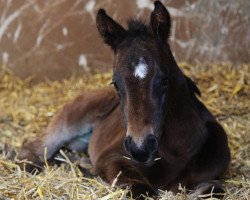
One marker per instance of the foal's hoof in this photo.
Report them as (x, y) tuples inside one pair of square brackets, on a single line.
[(138, 191), (208, 190), (29, 162), (30, 167)]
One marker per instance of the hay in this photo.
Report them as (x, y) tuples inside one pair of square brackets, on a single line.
[(25, 110)]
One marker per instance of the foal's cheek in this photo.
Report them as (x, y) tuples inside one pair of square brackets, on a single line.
[(163, 96), (158, 114), (124, 110)]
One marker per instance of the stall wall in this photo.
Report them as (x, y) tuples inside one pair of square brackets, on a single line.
[(53, 39)]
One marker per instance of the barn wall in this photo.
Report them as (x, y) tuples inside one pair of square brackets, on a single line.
[(56, 38)]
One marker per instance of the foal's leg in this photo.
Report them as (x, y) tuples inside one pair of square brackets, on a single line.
[(111, 165), (211, 162), (72, 121)]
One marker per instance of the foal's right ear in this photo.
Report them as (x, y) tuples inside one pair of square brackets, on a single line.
[(111, 32)]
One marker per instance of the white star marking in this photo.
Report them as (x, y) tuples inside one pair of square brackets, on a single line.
[(141, 69)]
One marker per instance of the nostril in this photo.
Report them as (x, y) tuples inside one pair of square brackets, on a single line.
[(152, 143), (127, 143)]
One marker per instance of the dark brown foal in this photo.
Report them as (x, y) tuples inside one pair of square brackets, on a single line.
[(151, 129)]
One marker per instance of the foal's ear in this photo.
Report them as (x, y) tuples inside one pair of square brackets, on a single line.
[(160, 21), (111, 32)]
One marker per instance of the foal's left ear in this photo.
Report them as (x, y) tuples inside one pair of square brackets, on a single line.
[(111, 32), (160, 21)]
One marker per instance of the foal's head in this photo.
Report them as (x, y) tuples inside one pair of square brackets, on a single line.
[(141, 77)]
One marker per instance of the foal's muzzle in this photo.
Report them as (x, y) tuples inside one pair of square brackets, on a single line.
[(144, 153)]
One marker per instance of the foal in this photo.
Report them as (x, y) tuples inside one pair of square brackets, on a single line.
[(152, 116)]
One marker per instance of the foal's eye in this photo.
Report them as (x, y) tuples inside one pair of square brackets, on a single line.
[(164, 82)]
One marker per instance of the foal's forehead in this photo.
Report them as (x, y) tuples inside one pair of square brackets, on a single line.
[(137, 67), (138, 70), (138, 59)]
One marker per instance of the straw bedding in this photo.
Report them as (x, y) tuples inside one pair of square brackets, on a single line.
[(25, 110)]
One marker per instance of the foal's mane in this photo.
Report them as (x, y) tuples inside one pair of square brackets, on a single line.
[(138, 27)]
